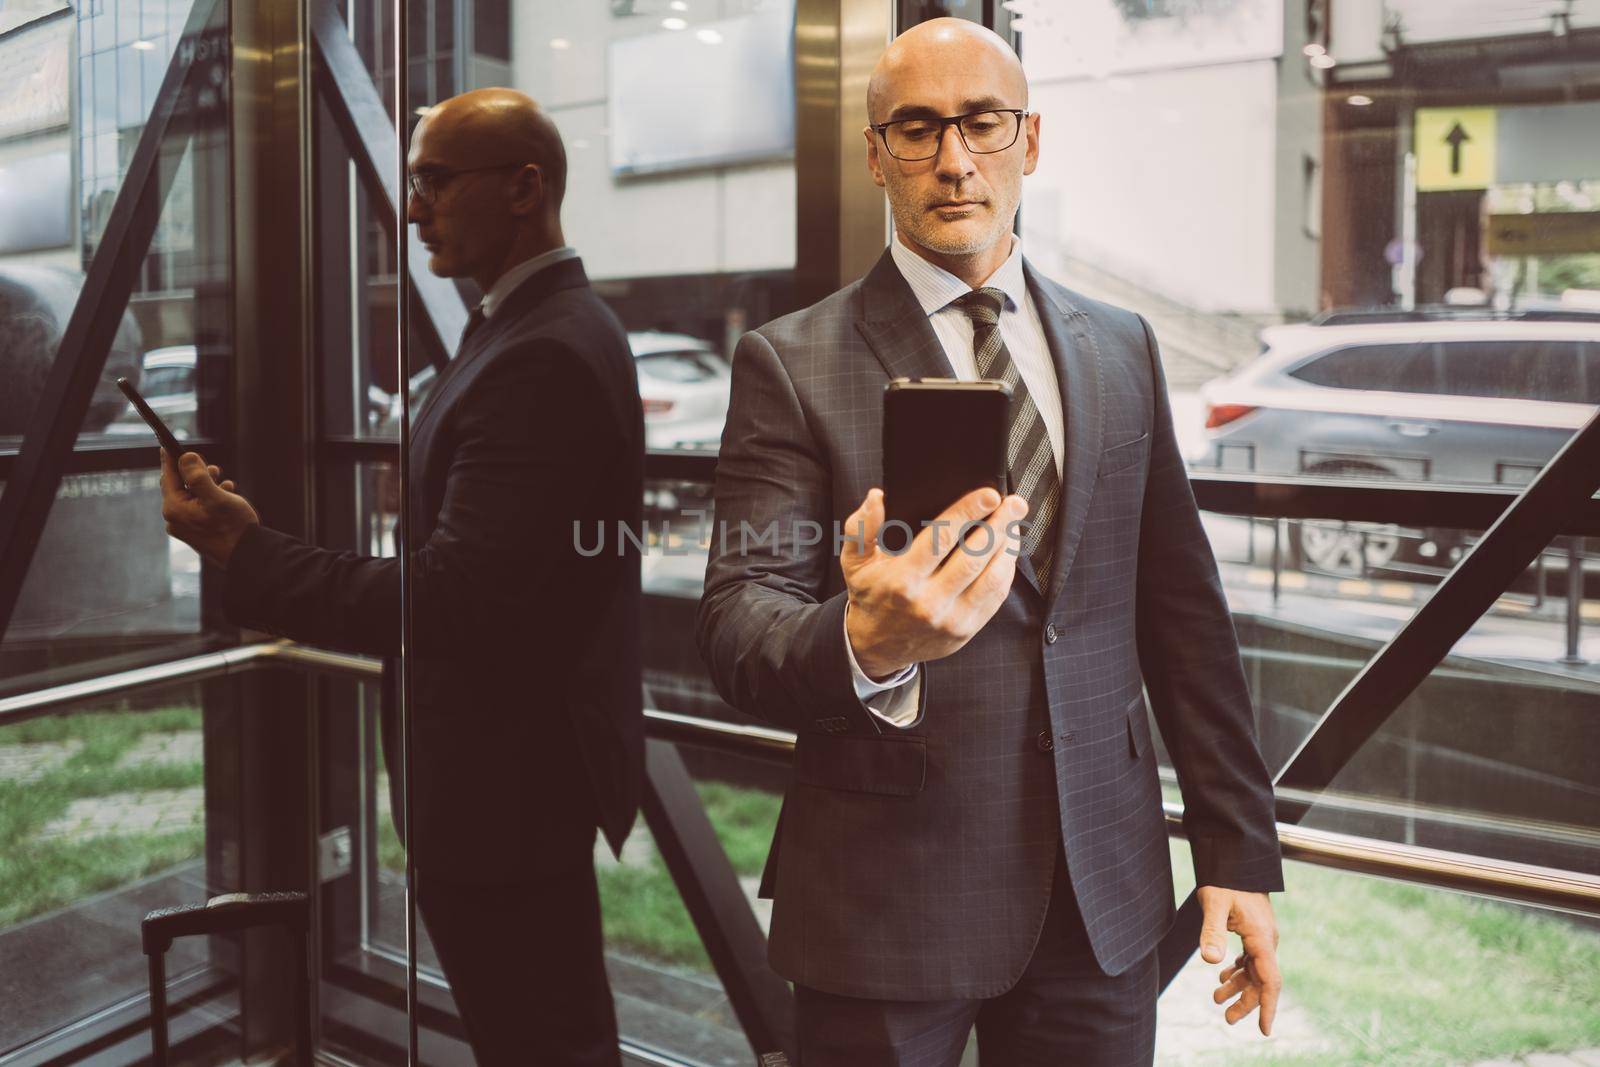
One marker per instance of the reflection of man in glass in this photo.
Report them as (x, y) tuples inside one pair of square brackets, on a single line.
[(524, 654), (975, 834)]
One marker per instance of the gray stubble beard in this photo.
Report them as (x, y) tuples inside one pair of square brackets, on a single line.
[(911, 224)]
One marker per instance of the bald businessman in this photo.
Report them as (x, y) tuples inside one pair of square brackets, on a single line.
[(974, 835), (525, 655)]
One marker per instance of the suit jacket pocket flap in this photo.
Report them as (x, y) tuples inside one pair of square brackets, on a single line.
[(1124, 455), (890, 766), (1138, 727)]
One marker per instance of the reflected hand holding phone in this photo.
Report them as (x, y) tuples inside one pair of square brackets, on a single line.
[(169, 441)]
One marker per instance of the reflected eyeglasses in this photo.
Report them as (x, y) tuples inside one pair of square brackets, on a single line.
[(425, 184)]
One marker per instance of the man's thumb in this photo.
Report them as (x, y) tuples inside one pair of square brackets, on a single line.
[(861, 528), (196, 478), (1214, 937)]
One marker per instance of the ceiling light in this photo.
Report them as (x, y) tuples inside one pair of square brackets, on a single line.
[(709, 36), (1324, 62), (144, 46), (1360, 100), (560, 44), (674, 24), (678, 5)]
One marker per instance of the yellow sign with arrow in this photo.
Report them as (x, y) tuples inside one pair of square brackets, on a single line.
[(1455, 148)]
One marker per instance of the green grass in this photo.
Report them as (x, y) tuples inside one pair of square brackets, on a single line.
[(40, 875), (743, 819), (1392, 974), (1400, 975), (642, 910)]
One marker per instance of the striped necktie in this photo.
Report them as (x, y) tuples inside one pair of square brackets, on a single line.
[(1029, 460)]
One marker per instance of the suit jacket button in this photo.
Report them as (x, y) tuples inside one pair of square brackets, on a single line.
[(1045, 741), (1051, 633)]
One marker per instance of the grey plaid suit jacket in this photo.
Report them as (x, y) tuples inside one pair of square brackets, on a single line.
[(916, 864)]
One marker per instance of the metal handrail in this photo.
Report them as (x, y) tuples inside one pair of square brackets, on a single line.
[(189, 669), (1279, 496), (1521, 882), (1240, 494)]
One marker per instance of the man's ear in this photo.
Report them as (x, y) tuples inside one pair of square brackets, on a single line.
[(528, 192), (1030, 130), (874, 164)]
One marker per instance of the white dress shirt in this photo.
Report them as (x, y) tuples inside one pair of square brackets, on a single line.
[(508, 282), (936, 289)]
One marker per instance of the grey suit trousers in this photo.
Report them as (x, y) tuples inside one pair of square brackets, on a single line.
[(1063, 1012)]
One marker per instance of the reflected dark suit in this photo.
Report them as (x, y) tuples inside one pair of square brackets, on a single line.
[(527, 722), (917, 864)]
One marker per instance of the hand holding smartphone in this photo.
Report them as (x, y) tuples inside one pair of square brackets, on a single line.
[(942, 439), (168, 440)]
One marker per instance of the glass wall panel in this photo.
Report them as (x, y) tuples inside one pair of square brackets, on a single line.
[(1382, 972), (362, 972), (148, 797), (1483, 757), (105, 579), (681, 190), (1360, 258), (107, 812), (678, 127), (669, 997), (1491, 754)]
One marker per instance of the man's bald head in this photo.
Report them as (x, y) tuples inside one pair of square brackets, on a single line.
[(495, 175), (941, 49), (953, 202), (488, 125)]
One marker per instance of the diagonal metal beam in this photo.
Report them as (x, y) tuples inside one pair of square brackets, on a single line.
[(369, 135), (1545, 508), (711, 894), (1563, 489), (81, 357)]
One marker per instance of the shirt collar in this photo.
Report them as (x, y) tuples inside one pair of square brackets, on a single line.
[(935, 288), (511, 279)]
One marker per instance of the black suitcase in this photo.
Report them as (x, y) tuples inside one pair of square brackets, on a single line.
[(231, 911)]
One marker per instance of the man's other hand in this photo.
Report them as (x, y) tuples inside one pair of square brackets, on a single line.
[(1254, 975), (208, 516), (926, 602)]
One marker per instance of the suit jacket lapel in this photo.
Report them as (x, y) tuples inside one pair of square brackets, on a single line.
[(896, 328), (472, 347), (1076, 354), (563, 275)]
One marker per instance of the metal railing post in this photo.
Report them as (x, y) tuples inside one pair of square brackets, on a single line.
[(1575, 590)]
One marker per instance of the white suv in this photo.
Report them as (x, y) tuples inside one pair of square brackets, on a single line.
[(1453, 396)]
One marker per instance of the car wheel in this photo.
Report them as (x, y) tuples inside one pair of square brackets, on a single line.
[(1348, 550), (1343, 549)]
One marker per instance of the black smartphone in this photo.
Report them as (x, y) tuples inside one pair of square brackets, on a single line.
[(163, 434), (942, 439)]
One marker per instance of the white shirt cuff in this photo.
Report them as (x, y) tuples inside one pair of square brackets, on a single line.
[(894, 700)]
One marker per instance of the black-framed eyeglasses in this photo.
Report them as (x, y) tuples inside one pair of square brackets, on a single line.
[(983, 132), (425, 184)]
